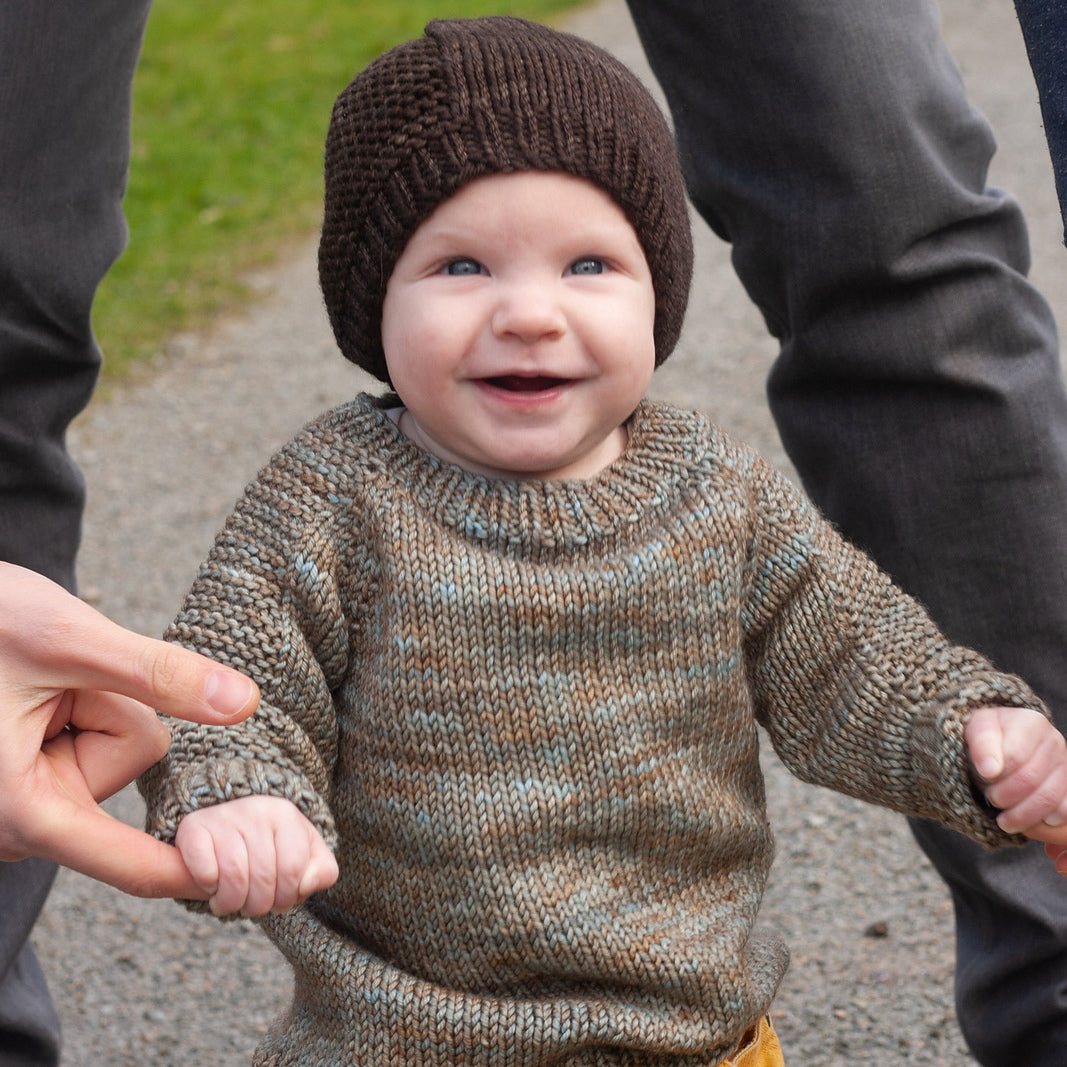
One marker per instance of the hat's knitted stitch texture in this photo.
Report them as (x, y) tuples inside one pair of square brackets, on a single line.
[(483, 96)]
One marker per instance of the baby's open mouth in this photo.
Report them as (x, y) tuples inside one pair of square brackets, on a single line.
[(523, 383)]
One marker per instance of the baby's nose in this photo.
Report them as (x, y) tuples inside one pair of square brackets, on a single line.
[(529, 312)]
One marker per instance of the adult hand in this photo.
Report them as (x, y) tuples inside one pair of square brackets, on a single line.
[(76, 724)]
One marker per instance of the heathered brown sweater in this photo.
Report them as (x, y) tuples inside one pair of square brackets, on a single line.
[(525, 715)]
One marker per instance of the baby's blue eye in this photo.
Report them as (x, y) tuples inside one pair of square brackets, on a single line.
[(587, 265), (462, 267)]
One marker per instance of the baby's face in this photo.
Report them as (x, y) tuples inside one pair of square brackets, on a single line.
[(518, 327)]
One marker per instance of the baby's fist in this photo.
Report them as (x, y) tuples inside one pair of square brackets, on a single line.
[(255, 855), (1020, 759)]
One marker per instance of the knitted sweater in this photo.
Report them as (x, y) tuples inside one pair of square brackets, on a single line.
[(525, 715)]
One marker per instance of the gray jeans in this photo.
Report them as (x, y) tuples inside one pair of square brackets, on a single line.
[(918, 388), (65, 73)]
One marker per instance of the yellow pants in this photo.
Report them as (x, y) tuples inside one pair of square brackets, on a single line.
[(759, 1050)]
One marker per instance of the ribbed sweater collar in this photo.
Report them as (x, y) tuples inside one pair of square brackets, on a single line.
[(539, 517)]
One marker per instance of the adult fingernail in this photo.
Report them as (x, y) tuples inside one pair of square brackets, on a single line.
[(228, 692)]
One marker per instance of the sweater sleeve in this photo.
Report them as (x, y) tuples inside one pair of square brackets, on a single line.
[(855, 684), (268, 602)]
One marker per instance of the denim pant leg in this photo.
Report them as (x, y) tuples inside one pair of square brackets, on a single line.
[(65, 73), (918, 388), (1044, 26), (29, 1029)]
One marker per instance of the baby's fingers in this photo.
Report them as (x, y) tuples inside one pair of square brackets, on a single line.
[(1041, 816), (197, 848), (985, 743), (219, 855), (255, 855), (321, 872), (1033, 797), (305, 864), (236, 879)]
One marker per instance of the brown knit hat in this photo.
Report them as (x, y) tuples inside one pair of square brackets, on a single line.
[(483, 96)]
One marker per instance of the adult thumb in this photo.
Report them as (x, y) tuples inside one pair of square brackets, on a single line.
[(93, 843)]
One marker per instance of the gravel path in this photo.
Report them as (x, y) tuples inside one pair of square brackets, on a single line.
[(143, 983)]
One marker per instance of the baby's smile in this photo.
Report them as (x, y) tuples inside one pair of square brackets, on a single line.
[(525, 383)]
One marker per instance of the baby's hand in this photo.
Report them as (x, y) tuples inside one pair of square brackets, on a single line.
[(255, 855), (1021, 760)]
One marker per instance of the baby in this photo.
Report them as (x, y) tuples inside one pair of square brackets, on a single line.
[(515, 626)]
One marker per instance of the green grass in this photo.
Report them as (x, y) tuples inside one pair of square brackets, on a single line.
[(231, 104)]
